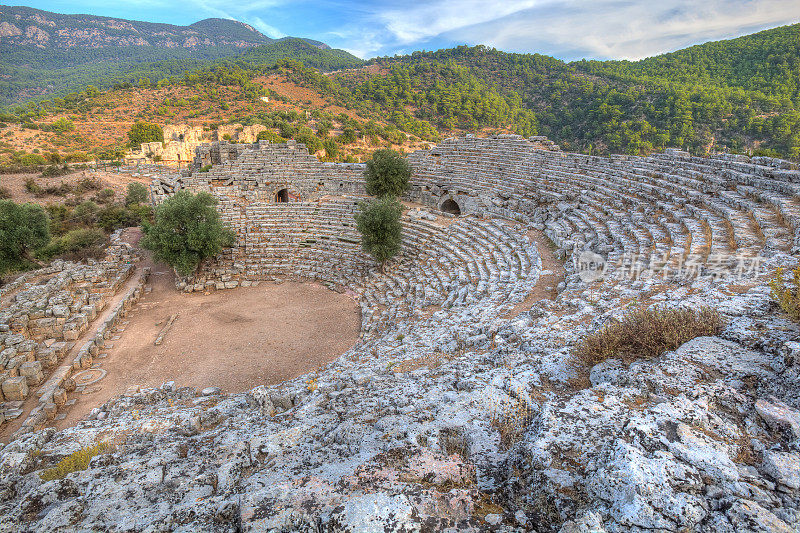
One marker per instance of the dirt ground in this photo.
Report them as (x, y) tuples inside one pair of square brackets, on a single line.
[(15, 183), (547, 286), (234, 339)]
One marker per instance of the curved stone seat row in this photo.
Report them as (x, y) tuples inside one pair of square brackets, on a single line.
[(667, 208), (439, 266), (471, 259)]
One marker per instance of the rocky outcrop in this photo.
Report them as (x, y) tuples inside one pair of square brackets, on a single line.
[(23, 26)]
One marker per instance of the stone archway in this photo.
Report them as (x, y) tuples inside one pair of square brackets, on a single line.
[(451, 206), (282, 196)]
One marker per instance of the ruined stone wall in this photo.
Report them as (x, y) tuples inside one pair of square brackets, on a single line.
[(257, 172), (308, 231), (296, 240), (181, 141)]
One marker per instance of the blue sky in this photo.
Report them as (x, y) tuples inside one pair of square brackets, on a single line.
[(568, 29)]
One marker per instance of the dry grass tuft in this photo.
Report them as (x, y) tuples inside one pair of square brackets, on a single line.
[(74, 462), (454, 440), (647, 333), (511, 419), (787, 294)]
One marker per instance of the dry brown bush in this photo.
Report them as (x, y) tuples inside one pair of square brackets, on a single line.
[(647, 333), (787, 294)]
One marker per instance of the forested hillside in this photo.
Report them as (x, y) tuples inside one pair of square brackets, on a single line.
[(44, 53), (735, 95), (739, 95)]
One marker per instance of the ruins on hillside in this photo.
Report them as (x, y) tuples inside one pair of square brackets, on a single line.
[(181, 141)]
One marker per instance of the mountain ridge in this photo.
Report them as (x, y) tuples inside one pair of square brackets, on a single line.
[(25, 26), (44, 53)]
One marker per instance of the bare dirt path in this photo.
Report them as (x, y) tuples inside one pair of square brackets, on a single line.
[(234, 339), (552, 274)]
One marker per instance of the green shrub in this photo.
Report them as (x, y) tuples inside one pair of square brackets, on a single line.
[(205, 168), (58, 190), (647, 333), (380, 228), (787, 295), (331, 148), (52, 171), (76, 244), (387, 173), (137, 193), (62, 125), (287, 130), (74, 462), (76, 157), (143, 132), (348, 136), (271, 136), (87, 184), (58, 214), (313, 144), (86, 212), (186, 231), (105, 196), (32, 187), (31, 160), (118, 216)]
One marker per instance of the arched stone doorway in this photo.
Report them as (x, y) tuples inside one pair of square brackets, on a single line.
[(282, 196), (451, 206)]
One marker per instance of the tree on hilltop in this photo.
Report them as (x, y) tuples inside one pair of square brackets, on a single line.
[(380, 228), (144, 132), (387, 173), (186, 231)]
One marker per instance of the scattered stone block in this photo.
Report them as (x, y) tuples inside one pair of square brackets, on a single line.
[(60, 398), (50, 410), (15, 388), (32, 370)]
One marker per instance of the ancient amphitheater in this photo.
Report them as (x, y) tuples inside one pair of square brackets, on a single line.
[(462, 406)]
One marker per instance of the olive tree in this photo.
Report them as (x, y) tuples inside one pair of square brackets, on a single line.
[(24, 228), (380, 228), (387, 173), (187, 230)]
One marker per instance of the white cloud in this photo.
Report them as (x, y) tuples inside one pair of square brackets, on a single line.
[(411, 24), (266, 29), (617, 28), (360, 43)]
